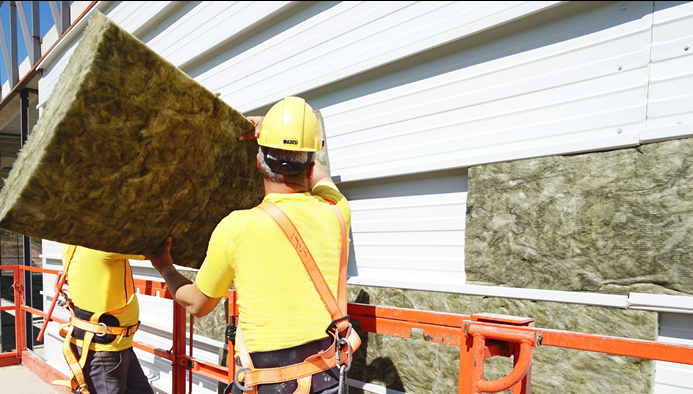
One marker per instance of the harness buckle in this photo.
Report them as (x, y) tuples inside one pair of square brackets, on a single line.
[(343, 368), (127, 332), (333, 324), (231, 333), (341, 342), (63, 303), (237, 383), (105, 330)]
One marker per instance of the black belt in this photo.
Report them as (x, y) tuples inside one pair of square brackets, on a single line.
[(290, 356)]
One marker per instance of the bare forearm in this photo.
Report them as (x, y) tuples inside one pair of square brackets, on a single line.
[(174, 281), (181, 288)]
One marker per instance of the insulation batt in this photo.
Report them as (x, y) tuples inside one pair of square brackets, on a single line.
[(128, 151)]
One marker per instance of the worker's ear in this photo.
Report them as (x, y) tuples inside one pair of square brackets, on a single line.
[(258, 162), (309, 171)]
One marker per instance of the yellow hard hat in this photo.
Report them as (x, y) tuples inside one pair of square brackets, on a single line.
[(291, 124)]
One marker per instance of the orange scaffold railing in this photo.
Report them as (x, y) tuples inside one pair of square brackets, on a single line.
[(478, 337)]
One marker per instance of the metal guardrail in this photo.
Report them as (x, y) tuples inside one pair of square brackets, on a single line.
[(478, 336)]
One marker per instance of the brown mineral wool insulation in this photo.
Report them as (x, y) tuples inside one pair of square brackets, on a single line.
[(128, 151)]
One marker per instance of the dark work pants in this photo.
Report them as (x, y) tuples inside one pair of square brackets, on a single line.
[(323, 383), (114, 373)]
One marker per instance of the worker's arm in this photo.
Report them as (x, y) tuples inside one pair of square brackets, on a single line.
[(181, 288), (319, 175)]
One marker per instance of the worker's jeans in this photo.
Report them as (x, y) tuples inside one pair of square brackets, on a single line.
[(114, 373)]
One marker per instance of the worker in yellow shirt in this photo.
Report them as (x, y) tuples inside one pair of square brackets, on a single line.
[(104, 318), (285, 301)]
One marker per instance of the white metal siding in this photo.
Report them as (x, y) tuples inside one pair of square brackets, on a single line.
[(209, 24), (408, 230), (578, 92), (349, 38), (131, 15), (670, 99), (673, 378)]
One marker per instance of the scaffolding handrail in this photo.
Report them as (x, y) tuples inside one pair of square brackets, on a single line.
[(478, 336)]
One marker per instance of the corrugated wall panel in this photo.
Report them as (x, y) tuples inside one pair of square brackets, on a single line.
[(408, 229), (349, 38), (131, 15), (209, 24), (673, 378), (582, 89), (671, 77)]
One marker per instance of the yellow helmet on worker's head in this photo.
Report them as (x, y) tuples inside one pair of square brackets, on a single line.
[(291, 124)]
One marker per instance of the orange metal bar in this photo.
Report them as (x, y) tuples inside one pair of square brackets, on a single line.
[(9, 358), (59, 283), (167, 355), (621, 346), (526, 340), (151, 288), (525, 384), (179, 364), (477, 336), (33, 310), (209, 370), (464, 385), (190, 354), (35, 269), (20, 341)]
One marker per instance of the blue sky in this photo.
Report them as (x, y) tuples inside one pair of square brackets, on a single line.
[(46, 19)]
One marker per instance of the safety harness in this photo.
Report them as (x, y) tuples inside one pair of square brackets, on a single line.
[(345, 340), (93, 329)]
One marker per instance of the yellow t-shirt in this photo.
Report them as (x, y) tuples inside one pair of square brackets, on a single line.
[(277, 301), (102, 282)]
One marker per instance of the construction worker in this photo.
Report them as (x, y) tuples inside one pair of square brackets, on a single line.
[(105, 313), (283, 319)]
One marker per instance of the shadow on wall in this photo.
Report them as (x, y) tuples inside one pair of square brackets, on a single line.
[(381, 370)]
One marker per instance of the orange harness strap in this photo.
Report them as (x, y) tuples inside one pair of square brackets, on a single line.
[(315, 275), (327, 359)]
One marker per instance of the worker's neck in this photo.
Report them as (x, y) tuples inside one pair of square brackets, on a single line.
[(284, 188)]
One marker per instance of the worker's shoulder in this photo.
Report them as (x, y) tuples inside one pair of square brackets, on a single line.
[(328, 191), (239, 217)]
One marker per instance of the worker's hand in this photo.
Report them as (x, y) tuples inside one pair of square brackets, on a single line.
[(162, 259), (255, 134)]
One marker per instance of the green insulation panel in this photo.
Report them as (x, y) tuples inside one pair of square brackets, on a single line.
[(609, 222), (129, 150), (413, 365)]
